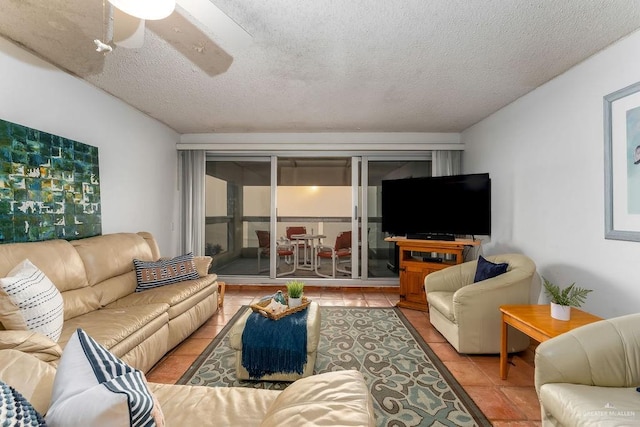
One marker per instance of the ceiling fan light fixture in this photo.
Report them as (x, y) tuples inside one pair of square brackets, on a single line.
[(146, 9)]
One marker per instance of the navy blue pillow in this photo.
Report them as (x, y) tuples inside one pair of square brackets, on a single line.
[(487, 269)]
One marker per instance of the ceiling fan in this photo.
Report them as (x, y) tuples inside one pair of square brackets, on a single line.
[(63, 32), (191, 26)]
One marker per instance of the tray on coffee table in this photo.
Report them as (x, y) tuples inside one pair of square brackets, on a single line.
[(259, 307)]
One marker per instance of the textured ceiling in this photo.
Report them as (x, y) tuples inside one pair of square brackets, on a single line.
[(326, 65)]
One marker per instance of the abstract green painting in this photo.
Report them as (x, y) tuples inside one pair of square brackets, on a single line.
[(49, 186)]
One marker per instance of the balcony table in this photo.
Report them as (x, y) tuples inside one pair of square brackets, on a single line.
[(308, 241)]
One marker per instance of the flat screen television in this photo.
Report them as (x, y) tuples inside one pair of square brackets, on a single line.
[(437, 207)]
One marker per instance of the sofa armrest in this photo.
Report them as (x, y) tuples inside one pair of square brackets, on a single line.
[(203, 263), (34, 343), (151, 241), (605, 353), (450, 279), (508, 288), (32, 377), (333, 398)]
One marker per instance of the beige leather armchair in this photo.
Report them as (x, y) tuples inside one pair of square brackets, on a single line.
[(588, 376), (468, 313)]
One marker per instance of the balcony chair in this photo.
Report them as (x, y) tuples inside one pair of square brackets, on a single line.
[(338, 254), (284, 251), (298, 229), (468, 314)]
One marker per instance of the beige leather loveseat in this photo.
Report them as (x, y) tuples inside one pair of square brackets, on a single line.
[(468, 313), (332, 399), (588, 376), (97, 280)]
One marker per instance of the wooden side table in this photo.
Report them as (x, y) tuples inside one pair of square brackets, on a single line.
[(537, 323), (221, 288)]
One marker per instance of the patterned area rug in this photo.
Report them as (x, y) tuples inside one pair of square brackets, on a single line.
[(410, 385)]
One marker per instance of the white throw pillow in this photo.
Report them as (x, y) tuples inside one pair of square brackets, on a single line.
[(30, 301), (94, 388)]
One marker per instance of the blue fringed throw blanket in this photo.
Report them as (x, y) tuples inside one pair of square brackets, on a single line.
[(275, 346)]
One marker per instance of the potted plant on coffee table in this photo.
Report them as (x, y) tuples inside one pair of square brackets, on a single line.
[(295, 289), (563, 299)]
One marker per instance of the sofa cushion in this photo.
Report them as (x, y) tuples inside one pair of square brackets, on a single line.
[(80, 301), (92, 387), (442, 301), (180, 296), (110, 255), (578, 404), (15, 410), (487, 269), (108, 263), (185, 405), (332, 398), (30, 301), (164, 272), (60, 262), (119, 329), (56, 258)]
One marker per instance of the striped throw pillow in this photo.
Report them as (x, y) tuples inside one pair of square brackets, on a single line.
[(92, 387), (163, 272), (30, 301)]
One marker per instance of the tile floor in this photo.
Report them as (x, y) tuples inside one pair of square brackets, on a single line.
[(511, 402)]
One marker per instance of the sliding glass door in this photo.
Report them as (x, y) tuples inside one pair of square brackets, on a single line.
[(238, 203), (315, 214), (278, 217)]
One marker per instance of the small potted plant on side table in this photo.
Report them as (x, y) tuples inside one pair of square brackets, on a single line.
[(294, 293), (563, 299)]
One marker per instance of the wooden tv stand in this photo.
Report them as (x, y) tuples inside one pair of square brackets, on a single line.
[(421, 257)]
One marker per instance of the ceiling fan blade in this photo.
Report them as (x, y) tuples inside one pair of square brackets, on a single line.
[(197, 29), (227, 33), (128, 31), (193, 43)]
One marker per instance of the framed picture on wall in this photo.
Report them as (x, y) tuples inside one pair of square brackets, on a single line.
[(622, 163), (49, 186)]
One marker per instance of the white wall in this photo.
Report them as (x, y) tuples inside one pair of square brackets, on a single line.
[(545, 155), (137, 154)]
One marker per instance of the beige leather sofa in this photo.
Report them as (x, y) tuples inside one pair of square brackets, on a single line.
[(588, 376), (333, 399), (97, 280), (467, 314)]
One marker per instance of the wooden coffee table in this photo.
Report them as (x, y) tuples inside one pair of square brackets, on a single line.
[(537, 323)]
